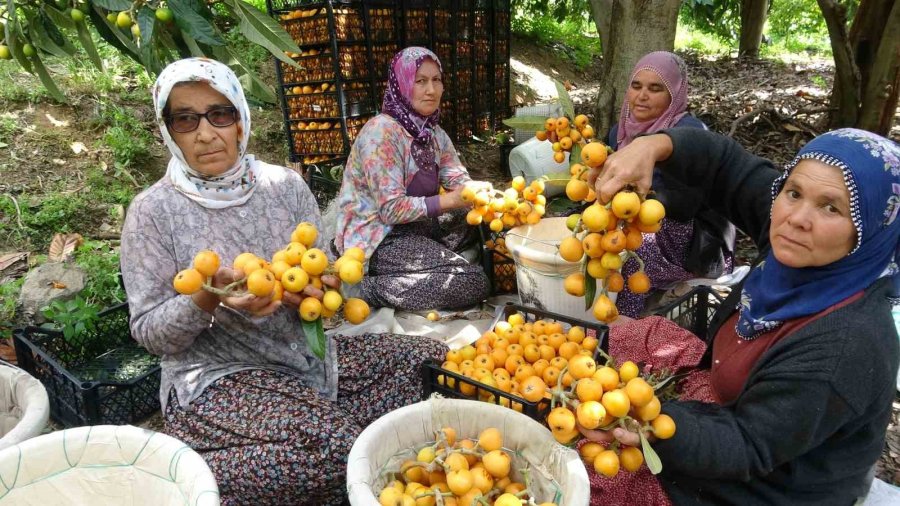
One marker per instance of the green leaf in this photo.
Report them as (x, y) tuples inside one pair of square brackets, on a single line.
[(114, 5), (650, 456), (557, 179), (590, 289), (59, 17), (575, 155), (315, 337), (564, 99), (87, 42), (189, 16), (192, 45), (534, 123), (265, 31), (14, 38), (46, 79), (249, 80), (112, 34), (146, 19), (47, 36)]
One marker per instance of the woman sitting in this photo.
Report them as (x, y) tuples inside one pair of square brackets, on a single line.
[(390, 200), (239, 384), (805, 354), (693, 240)]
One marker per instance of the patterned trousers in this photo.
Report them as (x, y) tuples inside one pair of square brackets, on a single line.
[(271, 440), (416, 268)]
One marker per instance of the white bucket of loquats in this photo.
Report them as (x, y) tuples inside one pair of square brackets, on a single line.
[(460, 452)]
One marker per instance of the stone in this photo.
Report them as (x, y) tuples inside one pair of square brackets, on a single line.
[(46, 283)]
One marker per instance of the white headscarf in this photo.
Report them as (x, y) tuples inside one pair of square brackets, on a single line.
[(234, 186)]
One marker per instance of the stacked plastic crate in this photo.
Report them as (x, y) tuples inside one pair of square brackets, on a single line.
[(346, 47)]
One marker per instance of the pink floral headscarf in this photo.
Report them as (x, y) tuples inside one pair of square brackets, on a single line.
[(398, 103), (673, 72)]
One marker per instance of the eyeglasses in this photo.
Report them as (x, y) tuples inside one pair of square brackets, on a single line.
[(219, 117)]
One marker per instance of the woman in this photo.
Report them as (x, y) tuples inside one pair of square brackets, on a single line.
[(804, 356), (693, 240), (239, 384), (390, 201)]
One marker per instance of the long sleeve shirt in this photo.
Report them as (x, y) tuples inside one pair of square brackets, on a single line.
[(163, 231), (373, 196)]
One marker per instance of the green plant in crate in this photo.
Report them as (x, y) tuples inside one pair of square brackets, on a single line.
[(73, 317), (152, 32)]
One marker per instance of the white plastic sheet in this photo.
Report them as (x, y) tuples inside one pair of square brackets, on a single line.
[(388, 441), (105, 465)]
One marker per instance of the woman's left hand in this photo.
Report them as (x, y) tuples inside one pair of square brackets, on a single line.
[(329, 281)]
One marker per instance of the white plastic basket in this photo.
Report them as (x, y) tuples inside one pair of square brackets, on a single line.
[(394, 437), (24, 406), (105, 465)]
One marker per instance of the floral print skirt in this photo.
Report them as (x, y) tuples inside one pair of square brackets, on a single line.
[(271, 440)]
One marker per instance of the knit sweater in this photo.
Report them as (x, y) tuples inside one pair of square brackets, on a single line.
[(810, 420)]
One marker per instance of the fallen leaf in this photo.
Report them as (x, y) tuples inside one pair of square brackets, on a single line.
[(55, 122), (78, 147), (791, 128), (59, 161), (11, 258), (63, 245), (58, 285)]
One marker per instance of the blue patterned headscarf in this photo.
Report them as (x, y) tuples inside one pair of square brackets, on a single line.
[(870, 163), (398, 103)]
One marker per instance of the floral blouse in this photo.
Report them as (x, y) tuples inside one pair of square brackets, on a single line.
[(373, 194)]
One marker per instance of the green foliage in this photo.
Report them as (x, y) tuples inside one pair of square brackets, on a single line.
[(151, 32), (574, 40), (792, 27), (575, 11), (128, 139), (72, 317), (9, 298), (101, 263)]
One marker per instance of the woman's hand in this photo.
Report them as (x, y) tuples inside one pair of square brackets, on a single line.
[(453, 199), (257, 306), (329, 281), (631, 165), (626, 437)]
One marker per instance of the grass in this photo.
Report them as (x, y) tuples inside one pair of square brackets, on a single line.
[(577, 41)]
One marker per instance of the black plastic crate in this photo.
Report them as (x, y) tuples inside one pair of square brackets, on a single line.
[(97, 377), (497, 262), (436, 379), (531, 314), (694, 310), (324, 182)]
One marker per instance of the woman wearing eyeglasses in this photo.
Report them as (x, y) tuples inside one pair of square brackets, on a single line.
[(239, 385)]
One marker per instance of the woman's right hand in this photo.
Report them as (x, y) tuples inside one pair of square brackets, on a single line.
[(453, 199), (256, 306), (631, 165)]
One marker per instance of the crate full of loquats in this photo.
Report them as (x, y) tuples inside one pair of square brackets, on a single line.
[(299, 269), (455, 452), (557, 370), (603, 237), (517, 348)]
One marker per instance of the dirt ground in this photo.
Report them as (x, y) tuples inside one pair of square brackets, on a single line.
[(772, 107)]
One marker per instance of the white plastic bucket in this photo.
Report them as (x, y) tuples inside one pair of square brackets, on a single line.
[(396, 436), (533, 159), (553, 110), (540, 271)]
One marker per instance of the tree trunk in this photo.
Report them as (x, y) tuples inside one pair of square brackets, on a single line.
[(876, 38), (867, 64), (601, 12), (845, 95), (640, 26), (753, 19)]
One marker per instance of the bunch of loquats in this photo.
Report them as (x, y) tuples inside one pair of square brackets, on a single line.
[(604, 237), (460, 472), (541, 363), (298, 268), (519, 204)]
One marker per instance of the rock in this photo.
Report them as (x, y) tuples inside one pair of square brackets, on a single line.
[(46, 283)]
